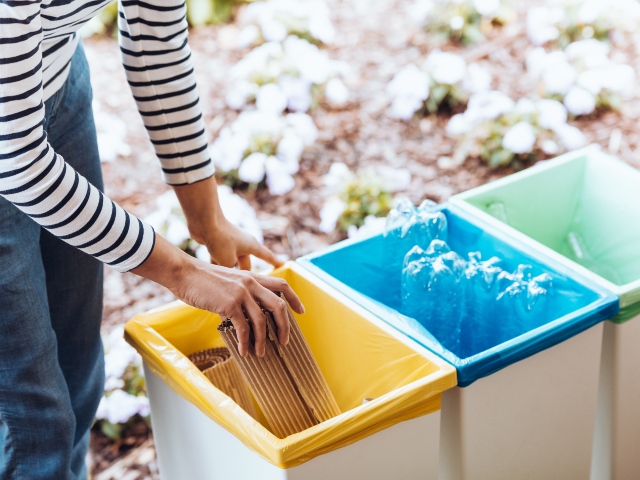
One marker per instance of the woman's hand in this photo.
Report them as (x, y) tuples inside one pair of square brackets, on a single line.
[(234, 294), (227, 244)]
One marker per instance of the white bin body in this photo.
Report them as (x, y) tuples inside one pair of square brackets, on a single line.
[(616, 454), (191, 446), (533, 420)]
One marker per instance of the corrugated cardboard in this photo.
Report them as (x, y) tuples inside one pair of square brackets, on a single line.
[(287, 382), (222, 371)]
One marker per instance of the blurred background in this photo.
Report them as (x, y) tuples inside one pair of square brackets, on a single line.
[(321, 114)]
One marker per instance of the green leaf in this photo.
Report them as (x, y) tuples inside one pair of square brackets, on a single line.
[(110, 430)]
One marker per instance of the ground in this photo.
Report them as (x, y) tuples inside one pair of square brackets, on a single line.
[(376, 38)]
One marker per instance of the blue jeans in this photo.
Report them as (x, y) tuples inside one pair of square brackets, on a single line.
[(51, 359)]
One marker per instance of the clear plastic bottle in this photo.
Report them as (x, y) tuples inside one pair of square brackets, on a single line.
[(418, 226), (432, 292)]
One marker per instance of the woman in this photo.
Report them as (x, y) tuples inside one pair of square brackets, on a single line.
[(56, 226)]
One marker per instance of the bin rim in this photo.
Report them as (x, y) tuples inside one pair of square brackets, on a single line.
[(629, 293), (299, 448), (502, 355)]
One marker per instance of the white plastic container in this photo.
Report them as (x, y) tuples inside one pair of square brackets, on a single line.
[(191, 446), (616, 452), (533, 420)]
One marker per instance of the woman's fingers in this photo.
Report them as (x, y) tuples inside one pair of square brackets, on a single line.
[(279, 285), (272, 302), (241, 325), (259, 324), (267, 255), (244, 262)]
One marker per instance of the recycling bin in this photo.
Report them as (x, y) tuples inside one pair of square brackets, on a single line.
[(526, 398), (583, 210), (388, 387)]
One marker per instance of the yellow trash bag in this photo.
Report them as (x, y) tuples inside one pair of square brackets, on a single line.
[(360, 356)]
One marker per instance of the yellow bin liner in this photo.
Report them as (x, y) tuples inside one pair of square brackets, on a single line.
[(360, 356)]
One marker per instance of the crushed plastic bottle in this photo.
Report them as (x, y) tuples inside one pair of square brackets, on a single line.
[(432, 292), (579, 252), (481, 283), (522, 298), (420, 225), (498, 211)]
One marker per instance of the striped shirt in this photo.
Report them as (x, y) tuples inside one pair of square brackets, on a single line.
[(37, 42)]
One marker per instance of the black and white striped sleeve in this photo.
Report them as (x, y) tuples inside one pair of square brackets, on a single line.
[(32, 176), (157, 61)]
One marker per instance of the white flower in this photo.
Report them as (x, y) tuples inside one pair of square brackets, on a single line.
[(279, 180), (271, 99), (119, 354), (372, 226), (252, 169), (409, 82), (403, 107), (520, 138), (477, 79), (120, 407), (541, 23), (144, 409), (111, 135), (559, 78), (593, 80), (273, 30), (177, 232), (570, 137), (620, 78), (298, 92), (579, 101), (290, 150), (486, 8), (240, 94), (336, 92), (446, 68), (303, 126), (228, 149), (202, 253), (525, 106), (551, 113), (459, 125), (330, 213), (456, 23), (320, 27), (238, 211), (488, 106), (248, 36), (589, 11), (277, 18), (111, 383), (590, 52), (408, 90), (549, 147), (338, 176), (536, 61)]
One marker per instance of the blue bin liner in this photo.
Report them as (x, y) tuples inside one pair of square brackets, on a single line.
[(369, 271)]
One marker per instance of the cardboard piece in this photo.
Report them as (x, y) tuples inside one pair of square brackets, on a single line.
[(222, 371), (287, 382)]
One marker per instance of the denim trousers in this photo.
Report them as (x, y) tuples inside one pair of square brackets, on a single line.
[(51, 359)]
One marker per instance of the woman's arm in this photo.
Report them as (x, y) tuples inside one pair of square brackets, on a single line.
[(33, 176)]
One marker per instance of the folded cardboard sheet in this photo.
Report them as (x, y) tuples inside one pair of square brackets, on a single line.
[(286, 382), (218, 366)]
